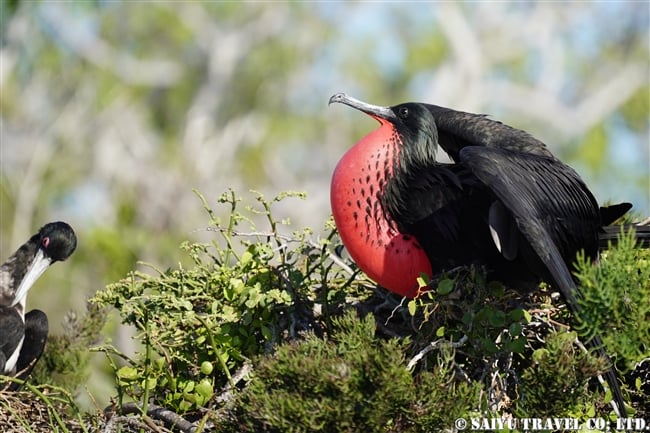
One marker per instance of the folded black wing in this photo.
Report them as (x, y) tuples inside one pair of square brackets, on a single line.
[(552, 208), (12, 331)]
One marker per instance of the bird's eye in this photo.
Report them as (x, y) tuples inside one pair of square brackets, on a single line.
[(403, 112), (45, 242)]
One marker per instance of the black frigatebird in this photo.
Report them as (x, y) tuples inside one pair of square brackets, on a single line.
[(22, 336), (506, 203)]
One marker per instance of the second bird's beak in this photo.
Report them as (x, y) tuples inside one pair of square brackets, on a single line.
[(39, 264)]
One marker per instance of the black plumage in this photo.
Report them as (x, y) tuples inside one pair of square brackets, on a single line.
[(459, 129)]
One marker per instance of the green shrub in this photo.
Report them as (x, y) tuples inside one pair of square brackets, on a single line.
[(555, 385), (66, 359), (616, 300), (199, 324), (349, 382)]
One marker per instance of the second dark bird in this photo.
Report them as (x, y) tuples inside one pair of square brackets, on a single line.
[(505, 203), (23, 336)]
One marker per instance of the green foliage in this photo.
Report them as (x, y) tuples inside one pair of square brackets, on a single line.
[(197, 325), (556, 382), (350, 382), (464, 305), (267, 305), (616, 300), (66, 359)]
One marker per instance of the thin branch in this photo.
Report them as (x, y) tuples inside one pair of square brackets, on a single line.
[(431, 346), (168, 416), (239, 375)]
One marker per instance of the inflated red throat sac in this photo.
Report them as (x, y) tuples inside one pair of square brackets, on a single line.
[(394, 260)]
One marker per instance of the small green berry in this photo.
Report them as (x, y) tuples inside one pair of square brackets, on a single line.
[(206, 367)]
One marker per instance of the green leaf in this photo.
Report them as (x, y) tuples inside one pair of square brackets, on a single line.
[(540, 354), (204, 388), (445, 286), (150, 383), (423, 281), (591, 411), (489, 346), (518, 345), (127, 373), (516, 314), (515, 329), (246, 257), (497, 318), (412, 306), (266, 332)]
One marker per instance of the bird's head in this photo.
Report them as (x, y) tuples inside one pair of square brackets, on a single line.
[(54, 242), (413, 126), (57, 240)]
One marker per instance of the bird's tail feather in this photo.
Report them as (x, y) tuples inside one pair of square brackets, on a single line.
[(609, 376), (609, 234)]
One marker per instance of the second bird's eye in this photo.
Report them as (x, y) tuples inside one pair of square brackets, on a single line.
[(403, 112)]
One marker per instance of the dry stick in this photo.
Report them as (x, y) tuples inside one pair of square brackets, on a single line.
[(236, 378), (163, 414), (428, 348), (115, 424), (394, 310), (498, 381)]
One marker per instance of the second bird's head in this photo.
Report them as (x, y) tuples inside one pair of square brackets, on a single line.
[(57, 240), (412, 123), (54, 242)]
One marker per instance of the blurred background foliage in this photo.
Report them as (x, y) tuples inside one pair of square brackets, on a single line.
[(113, 111)]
